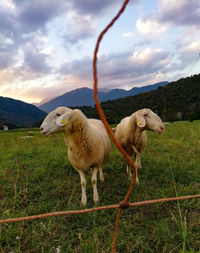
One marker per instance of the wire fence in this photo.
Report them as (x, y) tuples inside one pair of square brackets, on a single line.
[(123, 204)]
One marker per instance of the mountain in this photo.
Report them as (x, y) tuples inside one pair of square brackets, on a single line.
[(178, 100), (80, 97), (84, 96), (16, 113), (43, 101)]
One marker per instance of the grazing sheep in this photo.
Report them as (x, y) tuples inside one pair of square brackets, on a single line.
[(130, 133), (87, 142), (29, 136), (30, 133), (25, 137)]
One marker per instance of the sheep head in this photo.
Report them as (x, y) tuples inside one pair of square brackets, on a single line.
[(55, 121), (147, 119)]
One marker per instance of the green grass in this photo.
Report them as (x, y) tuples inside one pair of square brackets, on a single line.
[(36, 177)]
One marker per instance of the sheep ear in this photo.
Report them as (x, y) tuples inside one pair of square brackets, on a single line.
[(64, 119), (141, 121)]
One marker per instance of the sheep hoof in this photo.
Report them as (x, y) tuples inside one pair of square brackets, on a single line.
[(84, 201), (84, 204), (102, 179), (130, 177), (96, 199), (96, 202)]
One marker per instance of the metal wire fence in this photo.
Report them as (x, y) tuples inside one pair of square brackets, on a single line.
[(124, 204)]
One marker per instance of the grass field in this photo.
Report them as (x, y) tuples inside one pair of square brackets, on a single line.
[(36, 177)]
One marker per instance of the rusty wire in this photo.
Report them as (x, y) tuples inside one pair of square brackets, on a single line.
[(103, 118), (123, 204), (98, 106), (90, 210)]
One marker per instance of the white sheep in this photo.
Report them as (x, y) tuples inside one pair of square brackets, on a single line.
[(30, 133), (87, 142), (130, 133)]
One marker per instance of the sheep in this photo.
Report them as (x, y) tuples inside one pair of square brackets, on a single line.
[(26, 137), (29, 136), (30, 133), (87, 142), (131, 134)]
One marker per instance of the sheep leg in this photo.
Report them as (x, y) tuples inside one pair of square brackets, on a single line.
[(138, 161), (129, 172), (83, 186), (94, 184), (137, 179), (138, 165), (101, 177)]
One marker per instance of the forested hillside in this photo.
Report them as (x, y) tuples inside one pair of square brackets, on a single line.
[(178, 100), (16, 113)]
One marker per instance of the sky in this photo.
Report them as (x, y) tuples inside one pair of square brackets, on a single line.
[(46, 46)]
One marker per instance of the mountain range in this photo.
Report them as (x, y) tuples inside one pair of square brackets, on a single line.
[(15, 113), (84, 96), (178, 100)]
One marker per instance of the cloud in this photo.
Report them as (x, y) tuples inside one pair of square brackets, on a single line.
[(25, 17), (192, 47), (128, 35), (122, 70), (94, 8), (27, 90), (189, 55), (34, 15), (82, 18), (25, 65), (8, 24), (27, 55), (43, 87), (79, 28), (133, 67), (34, 59), (6, 59), (23, 23), (7, 76), (7, 53), (50, 52), (182, 12), (150, 26), (36, 62), (119, 68)]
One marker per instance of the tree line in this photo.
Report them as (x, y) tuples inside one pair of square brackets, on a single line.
[(178, 100)]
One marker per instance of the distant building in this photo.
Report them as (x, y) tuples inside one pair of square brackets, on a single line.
[(179, 115), (5, 128)]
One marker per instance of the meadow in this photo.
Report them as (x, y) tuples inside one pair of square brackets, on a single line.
[(36, 177)]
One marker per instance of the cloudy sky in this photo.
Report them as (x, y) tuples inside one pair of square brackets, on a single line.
[(46, 46)]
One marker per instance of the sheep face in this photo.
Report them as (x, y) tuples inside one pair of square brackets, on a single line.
[(50, 124), (147, 119)]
